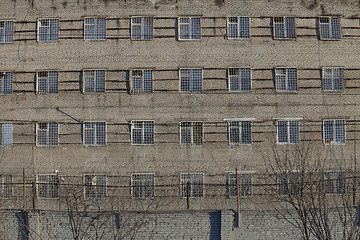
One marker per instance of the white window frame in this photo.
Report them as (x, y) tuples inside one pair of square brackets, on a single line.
[(6, 185), (331, 77), (192, 133), (191, 81), (144, 191), (240, 75), (240, 129), (3, 29), (287, 79), (47, 136), (186, 178), (328, 25), (287, 120), (39, 25), (95, 33), (94, 79), (55, 185), (142, 27), (286, 32), (245, 184), (143, 88), (4, 85), (239, 27), (142, 122), (93, 189), (180, 38), (95, 133), (333, 142), (48, 81), (337, 185), (5, 134)]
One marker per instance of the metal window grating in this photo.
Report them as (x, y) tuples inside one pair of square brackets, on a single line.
[(286, 79), (6, 134), (95, 186), (142, 132), (142, 28), (284, 27), (333, 79), (141, 81), (239, 132), (47, 185), (47, 82), (142, 185), (6, 82), (191, 80), (192, 185), (48, 30), (288, 132), (239, 79), (6, 186), (334, 182), (191, 133), (334, 131), (330, 28), (95, 28), (94, 133), (289, 183), (6, 31), (94, 81), (238, 28), (189, 28), (245, 184), (47, 134)]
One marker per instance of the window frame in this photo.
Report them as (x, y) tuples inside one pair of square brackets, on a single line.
[(285, 29), (334, 132), (241, 79), (3, 86), (143, 187), (191, 34), (94, 81), (332, 31), (245, 185), (95, 34), (142, 90), (191, 81), (240, 129), (47, 184), (5, 136), (38, 22), (295, 180), (47, 132), (287, 79), (192, 133), (191, 177), (133, 122), (47, 91), (238, 24), (337, 185), (95, 137), (333, 80), (142, 28), (98, 191), (4, 38), (6, 186), (288, 131)]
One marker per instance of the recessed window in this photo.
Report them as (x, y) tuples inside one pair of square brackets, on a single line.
[(289, 183), (142, 28), (335, 182), (47, 134), (6, 186), (238, 27), (334, 132), (93, 81), (245, 185), (47, 82), (239, 79), (288, 132), (47, 185), (6, 134), (330, 28), (239, 132), (142, 132), (141, 81), (189, 28), (48, 30), (191, 185), (142, 185), (94, 133), (95, 28), (191, 80), (95, 186), (284, 27), (6, 31), (191, 133), (333, 79), (6, 82), (286, 79)]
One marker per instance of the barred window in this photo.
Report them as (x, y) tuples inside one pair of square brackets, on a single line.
[(141, 81), (6, 82), (6, 31), (6, 186), (95, 28), (288, 132), (191, 80), (335, 182), (47, 134), (333, 79), (47, 185), (142, 185), (142, 132), (6, 134), (330, 28), (245, 184), (334, 132), (47, 82), (48, 30), (93, 81), (94, 133), (284, 27), (191, 133), (289, 183), (142, 28), (286, 79), (239, 79), (189, 28), (238, 27), (239, 132), (95, 186), (192, 185)]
